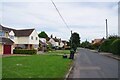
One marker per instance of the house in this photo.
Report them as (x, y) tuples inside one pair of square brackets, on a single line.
[(58, 43), (24, 39), (97, 41), (6, 44), (65, 44), (54, 41)]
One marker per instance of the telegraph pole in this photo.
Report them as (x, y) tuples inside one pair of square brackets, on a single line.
[(71, 39), (106, 29)]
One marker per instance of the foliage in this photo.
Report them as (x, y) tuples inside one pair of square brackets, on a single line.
[(106, 45), (115, 47), (49, 47), (43, 35), (35, 66), (114, 37), (24, 51), (85, 44), (75, 41), (75, 38)]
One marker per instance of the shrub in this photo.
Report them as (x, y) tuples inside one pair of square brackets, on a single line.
[(115, 47), (105, 46), (24, 51)]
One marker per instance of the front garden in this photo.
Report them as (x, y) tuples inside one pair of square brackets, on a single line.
[(35, 66)]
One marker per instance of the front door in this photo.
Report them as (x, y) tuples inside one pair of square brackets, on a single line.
[(7, 49)]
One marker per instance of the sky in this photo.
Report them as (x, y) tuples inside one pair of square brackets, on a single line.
[(86, 18)]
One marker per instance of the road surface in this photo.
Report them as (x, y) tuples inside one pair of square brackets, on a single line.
[(89, 64)]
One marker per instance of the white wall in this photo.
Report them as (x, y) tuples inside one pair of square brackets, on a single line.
[(43, 40), (52, 42), (35, 35), (22, 40), (57, 44), (61, 44)]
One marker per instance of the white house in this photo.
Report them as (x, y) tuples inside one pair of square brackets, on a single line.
[(25, 39)]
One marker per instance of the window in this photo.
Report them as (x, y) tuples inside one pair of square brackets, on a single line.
[(11, 37), (36, 38), (32, 37), (2, 34)]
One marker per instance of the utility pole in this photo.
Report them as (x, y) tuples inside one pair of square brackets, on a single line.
[(71, 39), (106, 29)]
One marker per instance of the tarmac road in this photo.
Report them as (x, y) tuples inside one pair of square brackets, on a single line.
[(92, 65)]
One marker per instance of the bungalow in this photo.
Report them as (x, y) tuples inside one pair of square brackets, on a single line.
[(25, 39)]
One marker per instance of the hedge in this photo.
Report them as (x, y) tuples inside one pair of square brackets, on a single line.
[(106, 45), (24, 51), (115, 47)]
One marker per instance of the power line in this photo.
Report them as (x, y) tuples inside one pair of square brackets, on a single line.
[(60, 15)]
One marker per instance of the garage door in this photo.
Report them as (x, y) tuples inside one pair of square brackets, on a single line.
[(7, 49)]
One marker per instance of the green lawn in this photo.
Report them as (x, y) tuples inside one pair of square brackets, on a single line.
[(35, 66)]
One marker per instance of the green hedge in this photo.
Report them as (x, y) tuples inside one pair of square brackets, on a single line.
[(24, 51), (106, 45), (115, 47)]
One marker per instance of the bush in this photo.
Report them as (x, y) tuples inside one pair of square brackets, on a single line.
[(105, 46), (24, 51), (115, 47)]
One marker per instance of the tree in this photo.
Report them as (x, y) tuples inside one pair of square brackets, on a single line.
[(75, 38), (42, 35), (85, 44)]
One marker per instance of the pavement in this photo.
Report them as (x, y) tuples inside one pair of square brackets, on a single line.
[(90, 65)]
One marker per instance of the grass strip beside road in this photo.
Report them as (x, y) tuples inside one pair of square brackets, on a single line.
[(35, 66)]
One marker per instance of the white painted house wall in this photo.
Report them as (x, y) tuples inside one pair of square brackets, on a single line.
[(57, 44), (61, 44), (52, 42), (22, 40), (43, 40), (34, 34)]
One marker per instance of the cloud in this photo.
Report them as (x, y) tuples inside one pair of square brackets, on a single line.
[(86, 18)]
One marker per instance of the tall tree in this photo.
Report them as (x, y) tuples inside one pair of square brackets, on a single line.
[(43, 35), (75, 38)]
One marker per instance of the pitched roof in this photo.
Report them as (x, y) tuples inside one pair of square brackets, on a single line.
[(18, 33), (24, 32), (95, 41), (6, 40), (5, 28), (56, 40)]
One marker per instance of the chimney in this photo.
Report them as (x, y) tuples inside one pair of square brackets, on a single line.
[(51, 36)]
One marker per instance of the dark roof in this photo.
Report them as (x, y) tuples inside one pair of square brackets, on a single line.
[(6, 40), (5, 28), (24, 32), (64, 41), (56, 40), (18, 33)]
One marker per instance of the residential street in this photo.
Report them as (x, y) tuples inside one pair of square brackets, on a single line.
[(92, 65)]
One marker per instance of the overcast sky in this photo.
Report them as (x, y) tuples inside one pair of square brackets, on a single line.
[(85, 18)]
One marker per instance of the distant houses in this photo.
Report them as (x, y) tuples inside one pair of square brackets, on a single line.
[(56, 43), (97, 41)]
